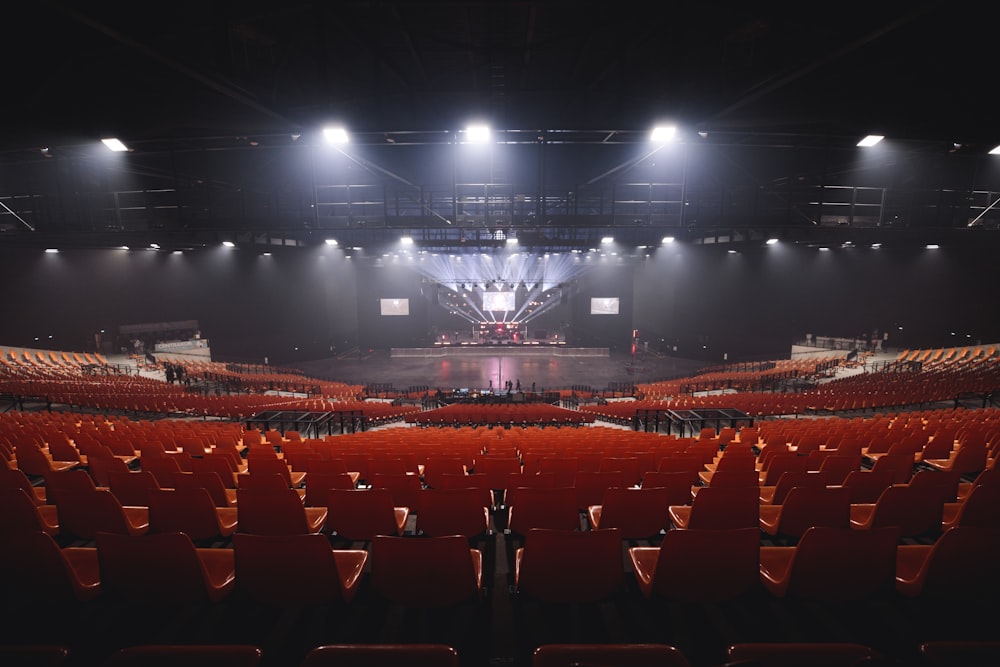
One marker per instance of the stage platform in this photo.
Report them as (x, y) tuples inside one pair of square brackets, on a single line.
[(513, 350)]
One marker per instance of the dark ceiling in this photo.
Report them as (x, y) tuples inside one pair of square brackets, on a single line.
[(167, 77), (76, 71)]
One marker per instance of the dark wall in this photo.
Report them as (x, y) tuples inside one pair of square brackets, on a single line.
[(303, 303), (376, 331)]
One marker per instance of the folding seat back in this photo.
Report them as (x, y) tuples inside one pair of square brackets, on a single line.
[(190, 511), (436, 466), (959, 565), (620, 655), (725, 507), (101, 467), (677, 485), (564, 469), (639, 513), (160, 568), (220, 464), (942, 483), (404, 487), (221, 496), (980, 508), (866, 486), (913, 511), (47, 573), (82, 514), (13, 478), (381, 655), (297, 570), (361, 514), (318, 485), (833, 564), (277, 512), (789, 480), (569, 566), (808, 506), (699, 565), (19, 513), (163, 469), (837, 466), (429, 572), (453, 512), (787, 654), (900, 466), (590, 486), (132, 487), (780, 464), (193, 655), (543, 508)]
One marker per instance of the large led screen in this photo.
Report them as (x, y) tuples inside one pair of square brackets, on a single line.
[(604, 306), (395, 306), (496, 301)]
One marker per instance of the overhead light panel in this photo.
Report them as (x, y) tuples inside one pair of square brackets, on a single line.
[(331, 242), (114, 145), (608, 239), (871, 140), (995, 151), (335, 135), (406, 240), (477, 134), (662, 133)]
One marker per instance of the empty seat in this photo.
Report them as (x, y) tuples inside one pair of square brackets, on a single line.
[(426, 572), (832, 564), (612, 655), (297, 570), (381, 655), (696, 565), (569, 566)]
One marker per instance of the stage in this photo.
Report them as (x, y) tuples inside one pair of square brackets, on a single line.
[(503, 349), (483, 366)]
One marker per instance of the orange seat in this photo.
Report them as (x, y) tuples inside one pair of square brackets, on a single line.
[(695, 565), (542, 508), (47, 573), (913, 511), (132, 487), (775, 495), (381, 655), (361, 514), (426, 572), (277, 512), (617, 655), (15, 478), (453, 512), (297, 570), (960, 564), (190, 511), (19, 512), (804, 507), (640, 513), (569, 566), (164, 568), (221, 496), (200, 655), (83, 514), (832, 564), (796, 654), (719, 507), (865, 486), (318, 485), (980, 508)]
